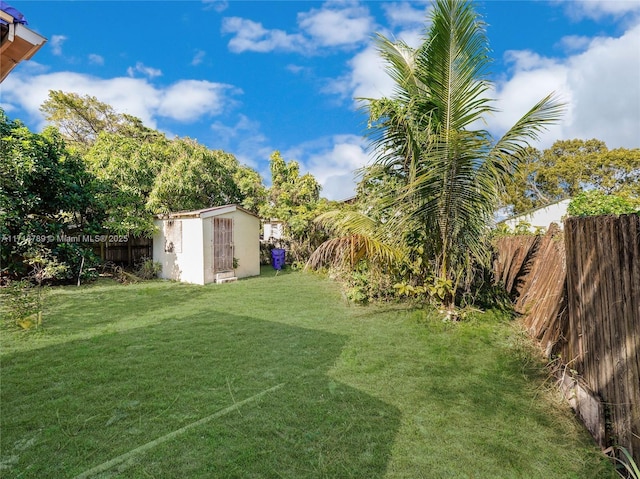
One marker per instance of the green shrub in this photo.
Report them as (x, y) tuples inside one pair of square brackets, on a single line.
[(593, 203), (367, 283), (23, 303), (148, 269), (625, 464)]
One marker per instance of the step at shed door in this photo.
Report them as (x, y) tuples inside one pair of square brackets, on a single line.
[(222, 244)]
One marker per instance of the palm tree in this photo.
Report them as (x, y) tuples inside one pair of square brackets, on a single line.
[(430, 133), (356, 236)]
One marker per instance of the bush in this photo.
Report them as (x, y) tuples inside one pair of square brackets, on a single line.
[(594, 203), (148, 269), (367, 283), (81, 262), (23, 303)]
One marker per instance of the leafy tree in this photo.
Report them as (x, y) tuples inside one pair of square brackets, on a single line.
[(194, 177), (568, 163), (425, 134), (568, 168), (145, 172), (617, 171), (252, 190), (128, 169), (81, 119), (527, 188), (46, 194), (295, 200)]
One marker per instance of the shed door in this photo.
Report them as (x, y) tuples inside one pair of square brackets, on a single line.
[(222, 244)]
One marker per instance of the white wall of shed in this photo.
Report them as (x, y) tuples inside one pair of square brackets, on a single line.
[(543, 217), (188, 265)]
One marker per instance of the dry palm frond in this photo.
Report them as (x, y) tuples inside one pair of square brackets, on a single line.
[(357, 237), (349, 250)]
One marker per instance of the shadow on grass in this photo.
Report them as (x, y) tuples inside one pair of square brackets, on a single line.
[(68, 408)]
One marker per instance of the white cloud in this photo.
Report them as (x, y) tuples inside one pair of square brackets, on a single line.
[(600, 84), (127, 95), (189, 100), (186, 100), (574, 43), (337, 25), (252, 36), (605, 81), (217, 5), (404, 15), (296, 69), (55, 43), (367, 76), (528, 85), (526, 60), (198, 58), (144, 70), (332, 161), (597, 9), (96, 59)]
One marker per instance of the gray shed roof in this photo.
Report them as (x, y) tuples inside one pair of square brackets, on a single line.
[(205, 212)]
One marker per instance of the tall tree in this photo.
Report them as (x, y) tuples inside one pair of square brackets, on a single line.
[(81, 119), (295, 200), (143, 172), (427, 130), (292, 198), (569, 167), (194, 177), (46, 194), (128, 168)]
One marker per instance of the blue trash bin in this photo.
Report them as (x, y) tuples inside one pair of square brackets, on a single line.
[(277, 258)]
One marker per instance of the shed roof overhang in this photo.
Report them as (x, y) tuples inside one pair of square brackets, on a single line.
[(17, 42), (204, 213)]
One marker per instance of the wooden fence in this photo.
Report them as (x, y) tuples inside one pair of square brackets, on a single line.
[(128, 252), (581, 300), (603, 287)]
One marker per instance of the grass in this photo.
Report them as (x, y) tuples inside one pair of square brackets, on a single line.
[(275, 377)]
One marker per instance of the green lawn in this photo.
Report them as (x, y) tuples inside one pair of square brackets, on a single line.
[(275, 376)]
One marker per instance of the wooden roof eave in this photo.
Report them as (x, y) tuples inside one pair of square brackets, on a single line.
[(19, 44)]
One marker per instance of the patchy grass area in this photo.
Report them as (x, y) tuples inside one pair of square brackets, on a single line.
[(275, 376)]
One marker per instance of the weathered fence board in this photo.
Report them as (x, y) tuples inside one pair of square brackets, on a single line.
[(603, 284), (532, 268), (585, 310), (513, 261), (127, 252)]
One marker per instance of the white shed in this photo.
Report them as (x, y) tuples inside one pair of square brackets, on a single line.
[(273, 230), (202, 246), (542, 217)]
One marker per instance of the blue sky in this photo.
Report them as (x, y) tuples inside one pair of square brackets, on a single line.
[(251, 77)]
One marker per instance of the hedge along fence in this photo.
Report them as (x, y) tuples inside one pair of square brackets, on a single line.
[(580, 299)]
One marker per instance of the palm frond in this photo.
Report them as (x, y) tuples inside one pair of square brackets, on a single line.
[(358, 237), (455, 65), (349, 250), (546, 112)]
